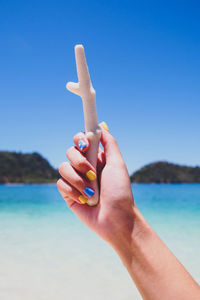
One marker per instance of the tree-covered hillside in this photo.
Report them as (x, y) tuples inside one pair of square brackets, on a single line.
[(164, 172), (25, 168), (33, 168)]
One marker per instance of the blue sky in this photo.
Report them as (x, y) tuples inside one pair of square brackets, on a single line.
[(144, 61)]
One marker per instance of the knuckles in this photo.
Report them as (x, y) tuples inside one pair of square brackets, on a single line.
[(78, 161), (62, 166), (70, 151), (78, 136), (65, 188), (81, 164), (114, 142), (78, 182), (59, 184)]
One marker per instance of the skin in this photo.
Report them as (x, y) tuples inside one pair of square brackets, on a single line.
[(155, 270)]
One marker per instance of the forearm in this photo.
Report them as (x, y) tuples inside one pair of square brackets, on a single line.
[(155, 270)]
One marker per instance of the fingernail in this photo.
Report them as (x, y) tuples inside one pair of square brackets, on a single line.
[(91, 175), (82, 199), (82, 144), (104, 125), (88, 191)]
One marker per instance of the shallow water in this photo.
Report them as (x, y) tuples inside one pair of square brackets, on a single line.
[(46, 253)]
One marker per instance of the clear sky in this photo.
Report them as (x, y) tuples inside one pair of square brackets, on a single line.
[(144, 61)]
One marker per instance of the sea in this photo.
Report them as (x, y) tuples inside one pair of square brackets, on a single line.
[(46, 253)]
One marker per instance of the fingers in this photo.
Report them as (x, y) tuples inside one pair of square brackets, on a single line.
[(111, 149), (111, 154), (81, 142), (101, 160), (69, 193), (81, 164), (75, 180), (108, 142)]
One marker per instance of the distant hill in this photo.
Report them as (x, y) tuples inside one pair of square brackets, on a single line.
[(25, 168), (33, 168), (164, 172)]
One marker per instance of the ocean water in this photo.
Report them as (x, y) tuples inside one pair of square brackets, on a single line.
[(46, 253)]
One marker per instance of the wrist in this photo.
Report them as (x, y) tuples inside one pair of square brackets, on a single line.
[(127, 242)]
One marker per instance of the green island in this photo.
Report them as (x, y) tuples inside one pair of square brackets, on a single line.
[(31, 168), (25, 168), (165, 172)]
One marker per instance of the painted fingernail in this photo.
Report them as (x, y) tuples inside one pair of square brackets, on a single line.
[(88, 191), (82, 144), (91, 175), (82, 199), (104, 125)]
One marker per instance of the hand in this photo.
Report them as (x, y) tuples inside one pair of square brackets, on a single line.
[(113, 217), (154, 269)]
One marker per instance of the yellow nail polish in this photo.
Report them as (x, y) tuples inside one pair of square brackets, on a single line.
[(91, 175), (104, 125), (82, 199)]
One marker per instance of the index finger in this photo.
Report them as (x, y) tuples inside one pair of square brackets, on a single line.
[(81, 142)]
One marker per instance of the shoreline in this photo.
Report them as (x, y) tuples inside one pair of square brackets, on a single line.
[(22, 184), (132, 183)]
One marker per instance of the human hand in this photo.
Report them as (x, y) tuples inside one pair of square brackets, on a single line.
[(112, 217), (155, 270)]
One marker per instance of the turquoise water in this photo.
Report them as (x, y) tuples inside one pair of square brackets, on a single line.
[(46, 253)]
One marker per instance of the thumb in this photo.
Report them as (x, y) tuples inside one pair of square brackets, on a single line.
[(111, 148)]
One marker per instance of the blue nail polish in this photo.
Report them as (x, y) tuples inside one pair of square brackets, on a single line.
[(88, 191), (82, 144)]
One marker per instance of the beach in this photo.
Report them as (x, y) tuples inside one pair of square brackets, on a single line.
[(46, 253)]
